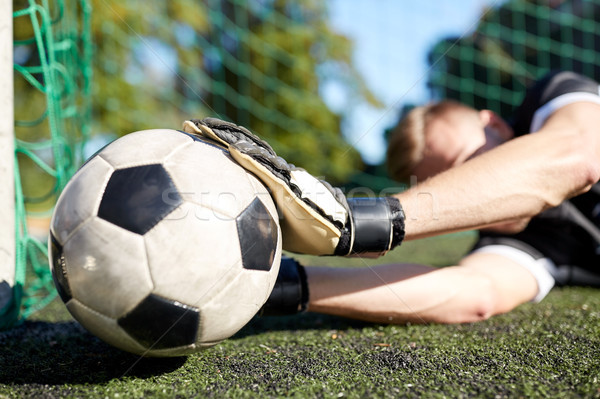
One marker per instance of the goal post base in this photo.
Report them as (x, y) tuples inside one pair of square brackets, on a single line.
[(9, 302)]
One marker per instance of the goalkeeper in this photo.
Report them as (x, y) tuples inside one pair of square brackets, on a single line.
[(484, 173)]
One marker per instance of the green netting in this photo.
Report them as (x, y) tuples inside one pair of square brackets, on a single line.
[(514, 45), (52, 62)]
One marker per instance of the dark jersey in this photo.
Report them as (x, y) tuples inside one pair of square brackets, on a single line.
[(552, 86), (569, 235)]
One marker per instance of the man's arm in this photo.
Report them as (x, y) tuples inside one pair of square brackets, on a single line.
[(516, 180), (482, 285)]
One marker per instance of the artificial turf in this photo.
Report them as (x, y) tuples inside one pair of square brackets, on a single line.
[(550, 349)]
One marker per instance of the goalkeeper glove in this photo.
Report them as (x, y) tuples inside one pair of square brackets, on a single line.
[(317, 218)]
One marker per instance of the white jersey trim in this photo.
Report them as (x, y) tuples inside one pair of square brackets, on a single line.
[(544, 112), (541, 269)]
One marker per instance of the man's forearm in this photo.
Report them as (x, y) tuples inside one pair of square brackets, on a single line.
[(402, 293), (516, 180)]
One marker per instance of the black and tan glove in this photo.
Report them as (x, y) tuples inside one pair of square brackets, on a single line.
[(317, 218)]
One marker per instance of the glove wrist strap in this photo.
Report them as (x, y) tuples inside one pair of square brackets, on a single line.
[(377, 226), (290, 293), (398, 218)]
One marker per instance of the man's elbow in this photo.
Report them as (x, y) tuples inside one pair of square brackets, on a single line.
[(483, 307), (590, 170), (482, 311), (477, 304), (586, 166), (577, 164)]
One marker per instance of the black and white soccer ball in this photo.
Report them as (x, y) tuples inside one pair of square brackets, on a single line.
[(162, 245)]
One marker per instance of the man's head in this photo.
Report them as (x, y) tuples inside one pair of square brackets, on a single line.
[(439, 136)]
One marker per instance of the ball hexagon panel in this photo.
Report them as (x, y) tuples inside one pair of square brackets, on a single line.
[(267, 201), (107, 267), (143, 147), (80, 198), (59, 269), (248, 292), (138, 197), (258, 235), (206, 175), (193, 253), (259, 285), (159, 323), (264, 195), (103, 327)]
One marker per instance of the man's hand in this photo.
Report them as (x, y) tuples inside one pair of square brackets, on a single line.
[(317, 218)]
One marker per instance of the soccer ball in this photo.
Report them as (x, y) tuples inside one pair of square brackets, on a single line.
[(162, 245)]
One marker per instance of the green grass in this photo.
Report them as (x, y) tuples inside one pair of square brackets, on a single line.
[(550, 349)]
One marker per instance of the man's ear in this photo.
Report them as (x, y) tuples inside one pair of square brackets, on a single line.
[(492, 120), (488, 117)]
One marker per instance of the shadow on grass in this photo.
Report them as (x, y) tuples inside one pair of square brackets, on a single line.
[(58, 353), (306, 321)]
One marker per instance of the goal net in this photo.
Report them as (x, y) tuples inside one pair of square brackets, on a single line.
[(514, 45), (46, 63)]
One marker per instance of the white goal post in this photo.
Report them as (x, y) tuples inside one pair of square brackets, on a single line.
[(7, 154)]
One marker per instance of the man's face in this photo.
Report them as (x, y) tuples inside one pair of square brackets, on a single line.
[(454, 138)]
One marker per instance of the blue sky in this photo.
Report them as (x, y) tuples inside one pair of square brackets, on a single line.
[(391, 39)]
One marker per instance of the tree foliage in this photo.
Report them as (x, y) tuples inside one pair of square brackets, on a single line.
[(257, 63)]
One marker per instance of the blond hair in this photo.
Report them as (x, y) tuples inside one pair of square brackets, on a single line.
[(407, 144)]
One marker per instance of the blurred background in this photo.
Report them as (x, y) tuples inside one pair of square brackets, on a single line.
[(322, 81)]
